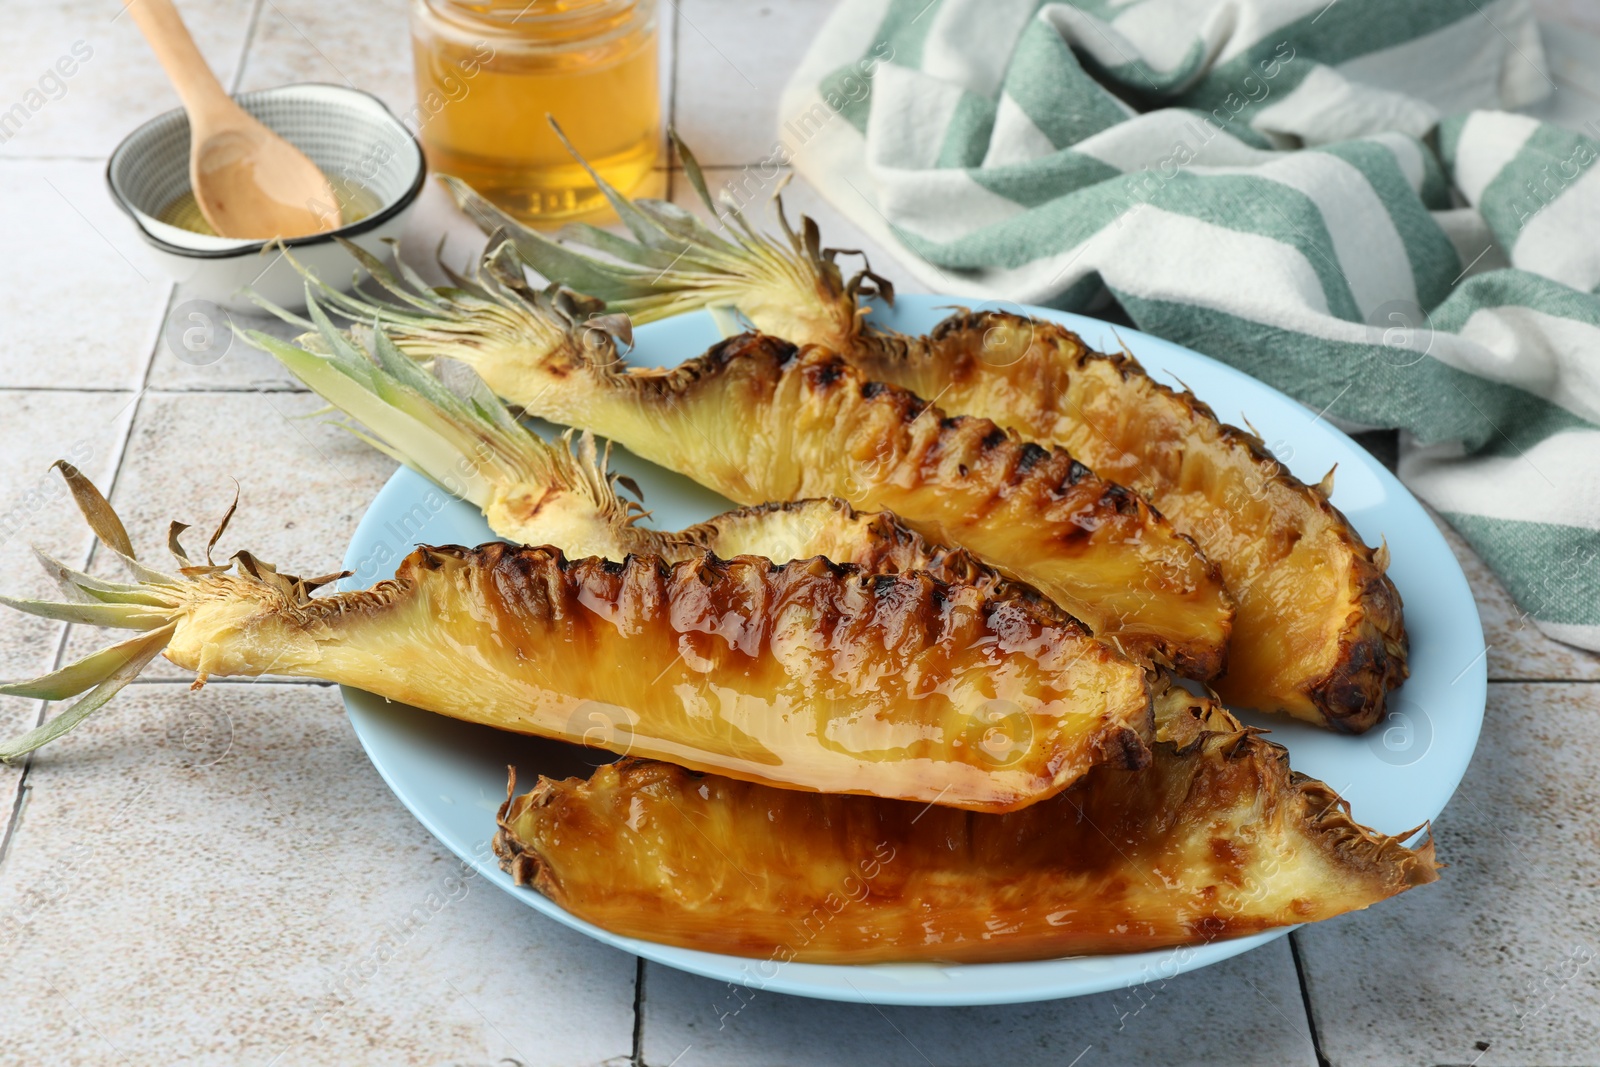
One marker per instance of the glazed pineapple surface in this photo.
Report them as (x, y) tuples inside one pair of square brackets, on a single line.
[(758, 419), (537, 492), (808, 675), (1318, 631), (1175, 825), (1215, 839)]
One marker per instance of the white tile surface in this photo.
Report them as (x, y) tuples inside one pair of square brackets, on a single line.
[(222, 878), (35, 509), (86, 429), (1499, 962), (1244, 1011), (235, 367), (303, 484), (734, 58), (83, 300), (117, 86), (361, 43), (1517, 650)]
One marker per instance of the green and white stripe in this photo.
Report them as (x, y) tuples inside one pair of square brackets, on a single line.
[(1269, 182)]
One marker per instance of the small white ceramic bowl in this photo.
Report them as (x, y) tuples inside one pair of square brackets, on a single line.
[(350, 134)]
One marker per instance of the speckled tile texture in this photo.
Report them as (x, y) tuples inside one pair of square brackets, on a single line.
[(84, 301), (220, 877), (1518, 651), (730, 53), (1496, 964), (303, 483), (105, 82), (1244, 1011), (36, 509), (361, 43), (230, 363)]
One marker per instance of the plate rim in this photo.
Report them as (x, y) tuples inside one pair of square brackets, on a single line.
[(806, 979)]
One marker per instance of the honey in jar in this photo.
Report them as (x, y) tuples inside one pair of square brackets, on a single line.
[(490, 71)]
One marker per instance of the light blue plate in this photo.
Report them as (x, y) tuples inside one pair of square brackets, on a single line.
[(452, 775)]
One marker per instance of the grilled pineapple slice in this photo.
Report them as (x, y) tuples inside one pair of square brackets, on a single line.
[(536, 493), (1318, 631), (1215, 839), (757, 419), (807, 676)]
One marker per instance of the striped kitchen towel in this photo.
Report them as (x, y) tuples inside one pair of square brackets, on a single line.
[(1329, 196)]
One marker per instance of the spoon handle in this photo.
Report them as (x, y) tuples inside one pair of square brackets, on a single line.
[(186, 68)]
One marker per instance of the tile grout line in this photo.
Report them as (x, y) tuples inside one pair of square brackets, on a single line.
[(282, 387), (244, 48), (98, 389), (15, 815), (672, 99), (66, 633), (1305, 1003), (25, 157), (638, 1012), (133, 415)]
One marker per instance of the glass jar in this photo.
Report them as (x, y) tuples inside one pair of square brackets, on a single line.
[(489, 71)]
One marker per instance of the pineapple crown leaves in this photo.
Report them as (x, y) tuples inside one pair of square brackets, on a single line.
[(446, 425), (150, 605), (490, 321), (676, 263), (473, 319)]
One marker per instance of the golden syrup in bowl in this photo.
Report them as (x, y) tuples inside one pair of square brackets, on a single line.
[(356, 202)]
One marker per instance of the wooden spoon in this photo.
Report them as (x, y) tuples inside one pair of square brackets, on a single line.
[(248, 181)]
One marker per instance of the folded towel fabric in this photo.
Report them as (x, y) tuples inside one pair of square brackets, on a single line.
[(1332, 197)]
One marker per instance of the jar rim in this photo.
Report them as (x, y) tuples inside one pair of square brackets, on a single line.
[(509, 14)]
